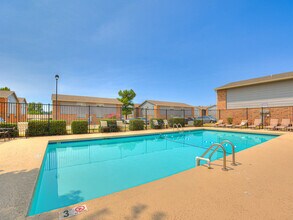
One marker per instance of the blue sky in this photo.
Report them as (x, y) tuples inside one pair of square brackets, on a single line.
[(164, 49)]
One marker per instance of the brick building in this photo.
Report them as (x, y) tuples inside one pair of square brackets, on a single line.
[(264, 97), (23, 107), (70, 107), (12, 108), (205, 111), (135, 112), (162, 109)]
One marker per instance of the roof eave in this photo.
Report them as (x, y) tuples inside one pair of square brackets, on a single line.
[(166, 105), (89, 102), (250, 84)]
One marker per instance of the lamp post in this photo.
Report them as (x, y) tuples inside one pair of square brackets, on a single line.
[(56, 77)]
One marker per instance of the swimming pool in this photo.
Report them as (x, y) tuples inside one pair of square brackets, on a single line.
[(77, 171)]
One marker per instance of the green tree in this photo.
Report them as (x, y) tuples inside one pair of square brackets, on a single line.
[(5, 88), (126, 97), (35, 108)]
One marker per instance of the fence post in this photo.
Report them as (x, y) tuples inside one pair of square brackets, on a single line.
[(247, 117), (56, 111), (166, 114), (134, 115), (8, 115), (146, 118), (89, 120), (6, 112), (48, 114), (18, 109), (262, 117)]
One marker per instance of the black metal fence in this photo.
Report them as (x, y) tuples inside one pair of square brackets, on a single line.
[(21, 113), (18, 112), (264, 114)]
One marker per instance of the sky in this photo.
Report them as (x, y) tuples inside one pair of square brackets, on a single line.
[(164, 50)]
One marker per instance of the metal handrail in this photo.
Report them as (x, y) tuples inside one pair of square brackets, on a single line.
[(174, 126), (178, 126), (198, 159), (233, 150)]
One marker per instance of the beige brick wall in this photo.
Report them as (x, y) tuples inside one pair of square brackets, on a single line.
[(253, 113), (222, 99)]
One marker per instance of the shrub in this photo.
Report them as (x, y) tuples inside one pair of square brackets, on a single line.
[(10, 125), (112, 125), (38, 128), (198, 123), (79, 127), (230, 120), (173, 121), (57, 127), (136, 124), (42, 128), (160, 122)]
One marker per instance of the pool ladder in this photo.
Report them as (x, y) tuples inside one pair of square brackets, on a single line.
[(217, 146), (178, 126)]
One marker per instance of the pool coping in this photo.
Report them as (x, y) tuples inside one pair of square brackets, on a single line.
[(42, 143), (167, 131)]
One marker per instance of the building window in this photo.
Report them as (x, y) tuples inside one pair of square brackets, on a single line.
[(23, 108), (11, 108)]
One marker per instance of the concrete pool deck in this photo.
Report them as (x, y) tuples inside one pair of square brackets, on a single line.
[(260, 187)]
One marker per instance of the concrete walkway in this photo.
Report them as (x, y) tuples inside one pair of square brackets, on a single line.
[(260, 187)]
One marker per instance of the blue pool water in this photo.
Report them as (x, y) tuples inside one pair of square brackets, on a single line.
[(73, 172)]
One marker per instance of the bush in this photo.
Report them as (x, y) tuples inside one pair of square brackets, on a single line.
[(112, 125), (198, 123), (10, 125), (57, 127), (136, 124), (173, 121), (230, 120), (38, 128), (160, 122), (43, 128), (79, 127)]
